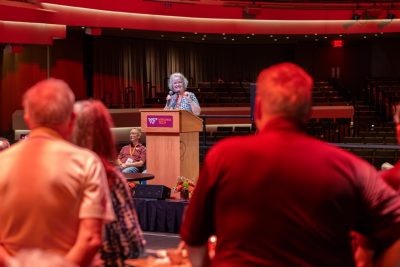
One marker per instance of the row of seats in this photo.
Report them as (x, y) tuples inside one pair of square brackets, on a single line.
[(220, 87), (233, 94), (325, 93), (374, 133), (370, 140), (238, 94), (335, 131), (376, 157), (384, 94), (331, 131), (225, 131)]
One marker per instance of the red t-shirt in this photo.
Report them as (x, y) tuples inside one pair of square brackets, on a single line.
[(282, 198), (136, 153)]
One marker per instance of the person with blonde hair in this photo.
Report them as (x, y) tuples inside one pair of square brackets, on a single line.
[(54, 195), (123, 238), (178, 97), (300, 215)]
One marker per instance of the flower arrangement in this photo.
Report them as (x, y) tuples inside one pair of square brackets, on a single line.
[(185, 186)]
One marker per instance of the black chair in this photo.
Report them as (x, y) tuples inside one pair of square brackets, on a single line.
[(365, 153), (384, 155), (374, 140), (355, 139), (391, 140)]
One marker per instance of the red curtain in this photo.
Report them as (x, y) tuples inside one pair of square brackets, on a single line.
[(21, 70)]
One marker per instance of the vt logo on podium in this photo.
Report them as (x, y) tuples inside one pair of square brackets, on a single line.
[(159, 121), (152, 121)]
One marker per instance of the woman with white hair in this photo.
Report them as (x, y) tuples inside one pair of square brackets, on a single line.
[(178, 97)]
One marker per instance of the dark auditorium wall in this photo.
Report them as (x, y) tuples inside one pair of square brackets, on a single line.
[(151, 61), (386, 58), (116, 62), (351, 61)]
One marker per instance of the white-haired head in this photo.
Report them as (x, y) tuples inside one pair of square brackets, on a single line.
[(180, 76), (49, 103)]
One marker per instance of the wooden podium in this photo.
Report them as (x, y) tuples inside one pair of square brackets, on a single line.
[(172, 142)]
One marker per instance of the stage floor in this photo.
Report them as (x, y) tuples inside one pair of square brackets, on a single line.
[(156, 241)]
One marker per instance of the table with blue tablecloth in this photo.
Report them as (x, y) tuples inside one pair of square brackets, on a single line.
[(160, 215)]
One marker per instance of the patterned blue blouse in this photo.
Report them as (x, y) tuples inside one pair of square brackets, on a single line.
[(123, 238), (184, 104)]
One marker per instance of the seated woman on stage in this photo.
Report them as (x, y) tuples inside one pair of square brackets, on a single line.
[(123, 238), (178, 97)]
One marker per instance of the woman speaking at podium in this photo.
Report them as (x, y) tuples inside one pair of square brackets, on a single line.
[(178, 97)]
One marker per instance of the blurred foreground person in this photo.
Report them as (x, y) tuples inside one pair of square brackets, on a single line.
[(4, 144), (267, 213), (36, 257), (364, 251), (392, 176), (54, 195), (123, 238)]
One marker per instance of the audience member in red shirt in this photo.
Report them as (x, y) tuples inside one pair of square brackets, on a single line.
[(283, 198)]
